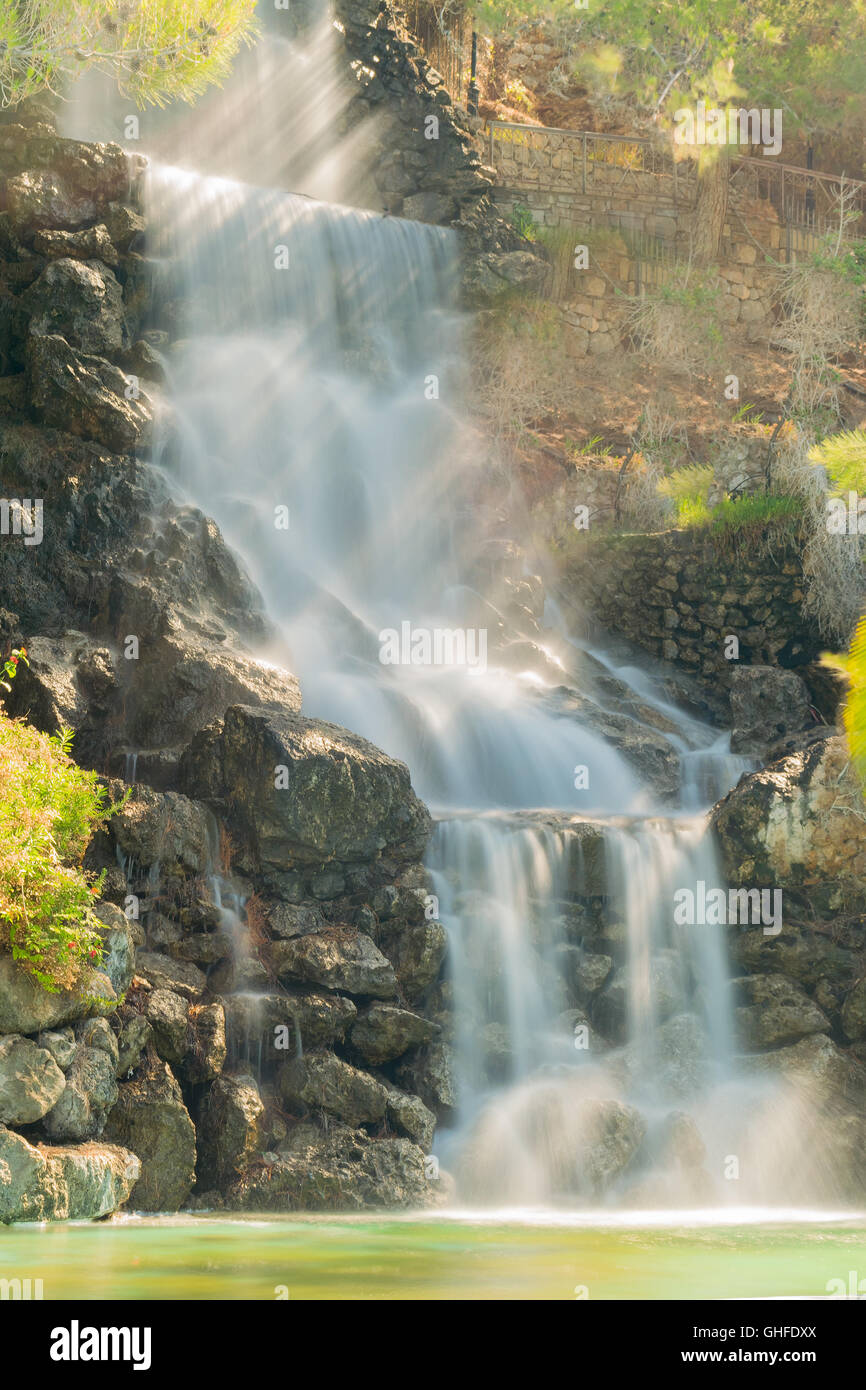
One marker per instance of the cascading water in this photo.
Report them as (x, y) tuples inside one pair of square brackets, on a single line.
[(314, 409)]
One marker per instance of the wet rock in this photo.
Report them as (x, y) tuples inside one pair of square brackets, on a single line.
[(774, 1011), (611, 1134), (767, 704), (338, 1170), (163, 828), (206, 1058), (320, 1081), (81, 1183), (430, 1075), (679, 1141), (343, 799), (58, 183), (82, 302), (384, 1032), (410, 1116), (610, 1009), (229, 1131), (167, 1014), (135, 1034), (798, 826), (286, 920), (84, 395), (202, 948), (25, 1007), (854, 1012), (60, 687), (124, 225), (275, 1025), (151, 1119), (417, 950), (91, 244), (340, 958), (818, 1066), (91, 1090), (206, 677), (164, 973), (590, 974), (118, 949), (30, 1081), (61, 1044)]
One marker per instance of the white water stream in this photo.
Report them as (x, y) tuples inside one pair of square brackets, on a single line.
[(316, 411)]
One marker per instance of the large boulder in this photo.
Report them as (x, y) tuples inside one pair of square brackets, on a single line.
[(341, 958), (774, 1011), (417, 950), (429, 1073), (321, 1081), (229, 1130), (82, 302), (269, 1023), (767, 704), (798, 826), (25, 1007), (151, 1119), (30, 1081), (338, 1170), (81, 1183), (91, 1090), (85, 395), (306, 792), (384, 1032), (164, 828), (816, 1066), (58, 183)]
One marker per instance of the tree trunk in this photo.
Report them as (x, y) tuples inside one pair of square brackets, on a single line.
[(711, 206)]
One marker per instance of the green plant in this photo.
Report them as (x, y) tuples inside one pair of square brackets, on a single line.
[(744, 415), (758, 511), (843, 458), (853, 668), (523, 222), (688, 489), (156, 50), (10, 666), (49, 810)]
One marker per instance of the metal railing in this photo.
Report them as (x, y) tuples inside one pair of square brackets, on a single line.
[(802, 198)]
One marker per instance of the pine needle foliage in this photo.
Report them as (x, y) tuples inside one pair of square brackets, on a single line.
[(157, 51)]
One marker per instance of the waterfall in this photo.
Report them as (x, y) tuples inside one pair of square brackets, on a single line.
[(316, 409)]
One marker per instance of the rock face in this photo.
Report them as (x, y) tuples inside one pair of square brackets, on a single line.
[(775, 1011), (797, 826), (152, 1121), (342, 959), (81, 1183), (306, 792), (25, 1007), (767, 705), (30, 1081), (229, 1131), (84, 394), (338, 1170)]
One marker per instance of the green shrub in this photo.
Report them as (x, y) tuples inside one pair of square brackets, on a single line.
[(49, 810), (843, 458)]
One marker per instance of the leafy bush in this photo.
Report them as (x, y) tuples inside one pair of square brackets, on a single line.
[(843, 458), (853, 667), (49, 810), (688, 489)]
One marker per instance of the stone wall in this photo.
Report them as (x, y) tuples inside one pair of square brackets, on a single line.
[(679, 595)]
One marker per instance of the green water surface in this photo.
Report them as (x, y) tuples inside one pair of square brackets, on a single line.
[(547, 1256)]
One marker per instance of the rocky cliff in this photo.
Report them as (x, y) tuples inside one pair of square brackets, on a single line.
[(268, 953)]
